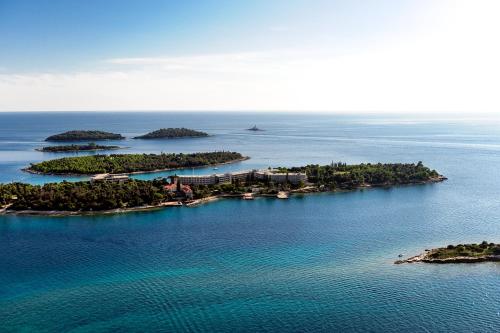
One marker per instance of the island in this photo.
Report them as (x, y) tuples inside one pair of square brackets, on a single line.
[(254, 128), (131, 163), (111, 192), (461, 253), (84, 136), (172, 133), (92, 146)]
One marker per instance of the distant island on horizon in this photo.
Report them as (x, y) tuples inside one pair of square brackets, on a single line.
[(84, 135), (91, 146), (172, 133), (254, 128)]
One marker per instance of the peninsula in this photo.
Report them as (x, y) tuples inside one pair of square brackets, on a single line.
[(461, 253), (92, 146), (131, 163), (172, 133), (119, 193), (84, 136)]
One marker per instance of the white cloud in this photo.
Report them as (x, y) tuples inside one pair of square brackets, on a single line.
[(450, 69)]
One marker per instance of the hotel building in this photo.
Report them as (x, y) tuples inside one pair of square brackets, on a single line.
[(242, 176)]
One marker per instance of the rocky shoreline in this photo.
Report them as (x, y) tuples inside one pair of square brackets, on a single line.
[(192, 203), (462, 253), (455, 260)]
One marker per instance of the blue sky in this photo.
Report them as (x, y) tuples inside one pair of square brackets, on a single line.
[(322, 55), (48, 35)]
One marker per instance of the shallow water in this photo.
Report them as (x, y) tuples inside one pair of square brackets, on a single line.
[(312, 263)]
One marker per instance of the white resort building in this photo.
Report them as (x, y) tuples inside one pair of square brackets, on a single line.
[(106, 177), (198, 180), (242, 176)]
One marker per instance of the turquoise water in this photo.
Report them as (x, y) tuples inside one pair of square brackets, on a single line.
[(317, 263)]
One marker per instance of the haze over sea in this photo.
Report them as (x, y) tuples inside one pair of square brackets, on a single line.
[(311, 263)]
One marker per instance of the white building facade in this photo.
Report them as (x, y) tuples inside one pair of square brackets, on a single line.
[(242, 176)]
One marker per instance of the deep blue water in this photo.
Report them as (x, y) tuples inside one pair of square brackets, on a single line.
[(317, 263)]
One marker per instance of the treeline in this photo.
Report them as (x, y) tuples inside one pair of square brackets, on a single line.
[(70, 148), (84, 136), (466, 250), (341, 175), (170, 133), (125, 163), (330, 177), (238, 188), (87, 196), (83, 196)]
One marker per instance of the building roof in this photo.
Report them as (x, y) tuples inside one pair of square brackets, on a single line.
[(100, 176), (186, 189), (173, 187), (170, 187)]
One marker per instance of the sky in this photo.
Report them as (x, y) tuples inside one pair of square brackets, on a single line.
[(418, 56)]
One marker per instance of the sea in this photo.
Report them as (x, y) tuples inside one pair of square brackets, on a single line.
[(313, 263)]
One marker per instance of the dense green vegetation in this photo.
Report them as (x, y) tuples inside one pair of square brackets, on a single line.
[(71, 148), (332, 177), (125, 163), (84, 136), (341, 175), (86, 196), (203, 191), (465, 250), (82, 196), (170, 133)]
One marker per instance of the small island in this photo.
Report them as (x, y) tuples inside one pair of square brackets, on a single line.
[(172, 133), (112, 192), (92, 146), (131, 163), (254, 128), (84, 136), (461, 253)]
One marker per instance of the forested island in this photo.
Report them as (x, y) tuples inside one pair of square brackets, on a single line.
[(172, 133), (84, 136), (461, 253), (82, 196), (92, 146), (344, 176), (130, 194), (131, 163), (332, 177)]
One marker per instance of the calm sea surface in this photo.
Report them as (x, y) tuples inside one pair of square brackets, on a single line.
[(318, 263)]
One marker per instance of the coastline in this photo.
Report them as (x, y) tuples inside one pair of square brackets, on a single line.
[(28, 170), (198, 202), (462, 253), (424, 257)]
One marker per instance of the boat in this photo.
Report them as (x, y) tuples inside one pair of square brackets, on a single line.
[(282, 195), (247, 196), (215, 169), (254, 128), (172, 204)]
